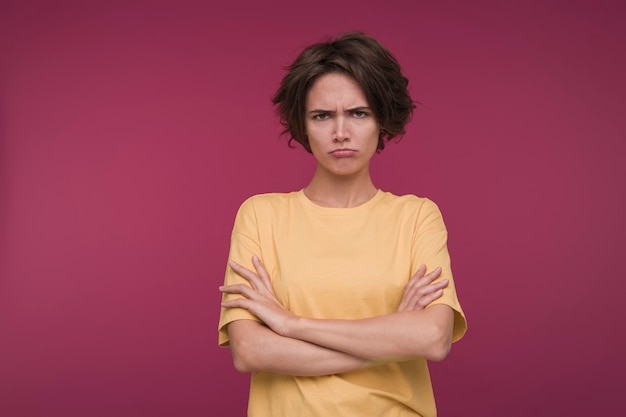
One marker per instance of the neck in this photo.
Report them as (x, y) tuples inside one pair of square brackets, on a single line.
[(339, 191)]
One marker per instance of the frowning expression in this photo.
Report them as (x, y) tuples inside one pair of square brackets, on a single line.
[(341, 127)]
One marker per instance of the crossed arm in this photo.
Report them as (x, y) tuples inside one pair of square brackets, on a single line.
[(288, 344)]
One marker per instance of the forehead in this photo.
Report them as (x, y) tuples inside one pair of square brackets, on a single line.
[(335, 89)]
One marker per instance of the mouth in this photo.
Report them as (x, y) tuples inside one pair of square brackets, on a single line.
[(343, 153)]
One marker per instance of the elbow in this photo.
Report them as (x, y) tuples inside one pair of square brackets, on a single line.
[(242, 357), (439, 345), (241, 366), (439, 352), (244, 345)]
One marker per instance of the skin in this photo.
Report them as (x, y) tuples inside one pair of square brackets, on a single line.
[(338, 117), (343, 134)]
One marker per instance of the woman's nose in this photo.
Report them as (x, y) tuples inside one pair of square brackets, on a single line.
[(341, 130)]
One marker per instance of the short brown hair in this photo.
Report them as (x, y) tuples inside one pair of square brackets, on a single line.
[(361, 57)]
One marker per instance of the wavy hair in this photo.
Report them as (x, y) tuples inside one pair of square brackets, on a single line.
[(364, 59)]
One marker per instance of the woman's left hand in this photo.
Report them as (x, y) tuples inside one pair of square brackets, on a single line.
[(421, 291), (259, 298)]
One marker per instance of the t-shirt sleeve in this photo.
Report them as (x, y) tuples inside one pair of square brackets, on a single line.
[(430, 248), (244, 243)]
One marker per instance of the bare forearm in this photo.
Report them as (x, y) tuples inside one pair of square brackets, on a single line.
[(257, 348), (424, 333)]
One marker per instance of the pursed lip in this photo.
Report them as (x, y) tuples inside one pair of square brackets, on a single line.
[(343, 152)]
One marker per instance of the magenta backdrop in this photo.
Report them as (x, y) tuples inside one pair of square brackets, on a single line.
[(130, 133)]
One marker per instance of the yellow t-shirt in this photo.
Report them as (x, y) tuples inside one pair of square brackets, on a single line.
[(342, 263)]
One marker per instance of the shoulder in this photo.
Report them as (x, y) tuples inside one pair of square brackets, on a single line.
[(266, 201), (260, 208), (410, 203), (421, 212)]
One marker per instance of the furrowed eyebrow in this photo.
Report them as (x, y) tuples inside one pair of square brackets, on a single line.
[(359, 108)]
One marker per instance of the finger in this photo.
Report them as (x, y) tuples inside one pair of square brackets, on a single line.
[(426, 300), (414, 296), (262, 274), (241, 289), (245, 273), (413, 285), (410, 302), (435, 286), (425, 280), (403, 304), (420, 302), (442, 284), (432, 288), (428, 289), (433, 275), (419, 273), (237, 303), (421, 278), (420, 285)]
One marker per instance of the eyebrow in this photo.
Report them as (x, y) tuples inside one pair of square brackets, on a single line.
[(353, 109)]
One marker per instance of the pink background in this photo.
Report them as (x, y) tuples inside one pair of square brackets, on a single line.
[(130, 132)]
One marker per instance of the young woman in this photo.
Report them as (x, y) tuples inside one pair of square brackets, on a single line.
[(327, 300)]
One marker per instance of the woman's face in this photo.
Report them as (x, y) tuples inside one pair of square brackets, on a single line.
[(341, 127)]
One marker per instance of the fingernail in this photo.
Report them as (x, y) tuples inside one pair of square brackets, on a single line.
[(255, 258), (232, 263)]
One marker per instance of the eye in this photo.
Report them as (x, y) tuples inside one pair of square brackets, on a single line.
[(321, 116), (359, 114)]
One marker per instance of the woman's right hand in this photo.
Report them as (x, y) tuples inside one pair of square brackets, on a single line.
[(420, 291), (259, 297)]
